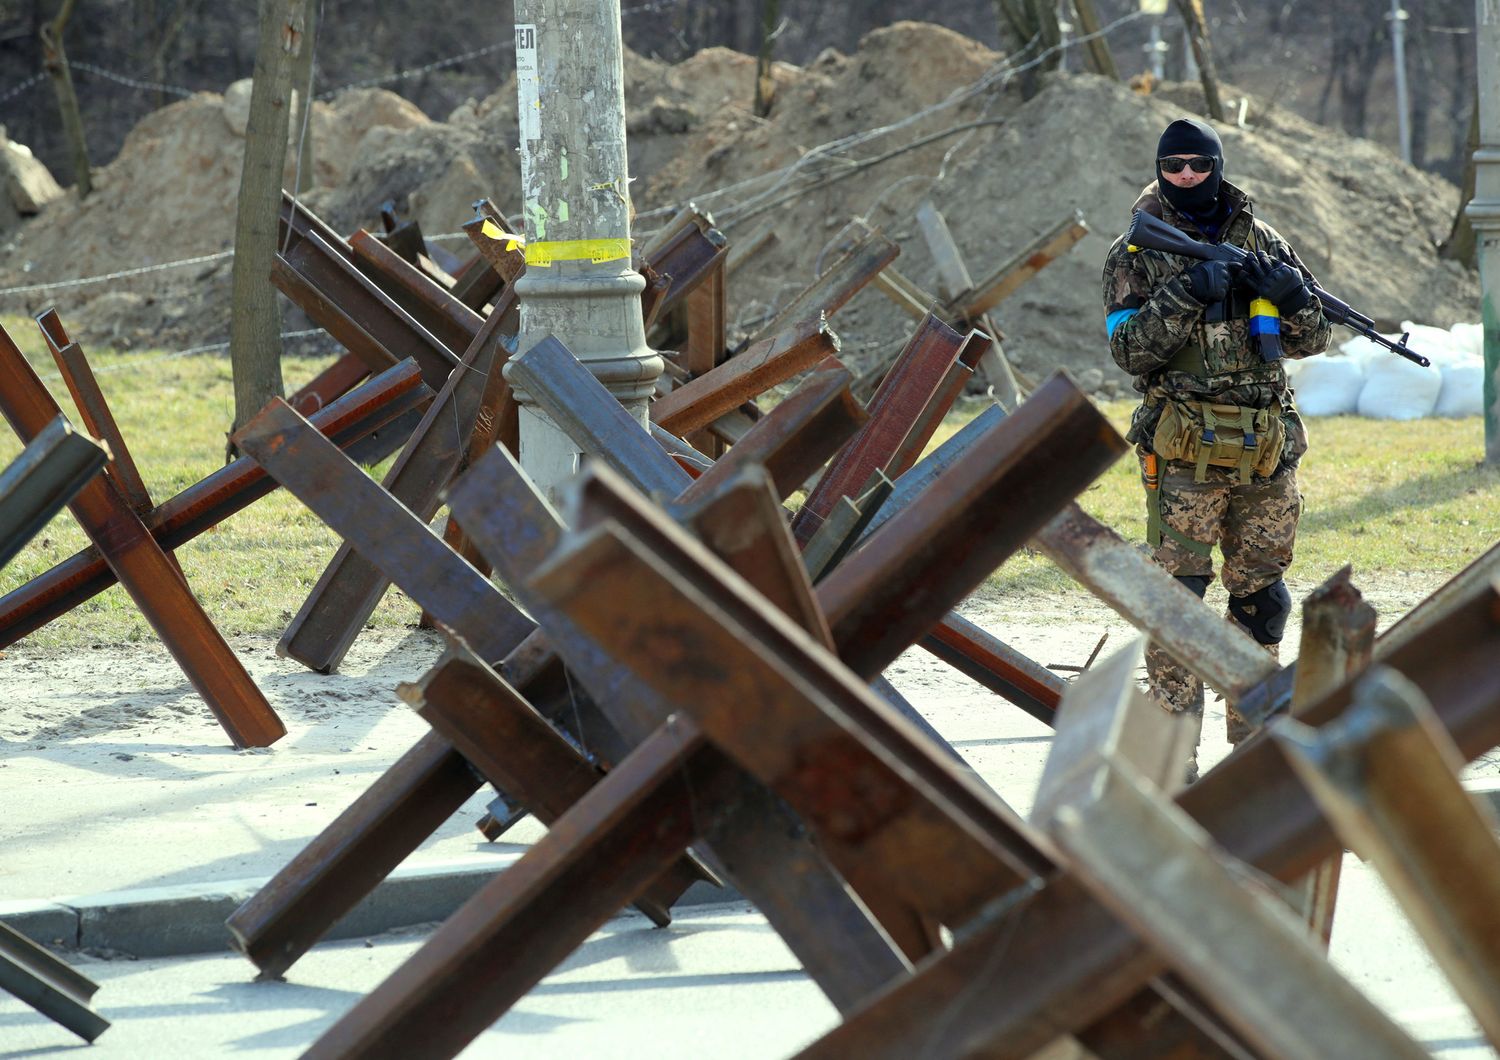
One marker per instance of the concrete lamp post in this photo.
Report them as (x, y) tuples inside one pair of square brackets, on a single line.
[(578, 284), (1484, 212)]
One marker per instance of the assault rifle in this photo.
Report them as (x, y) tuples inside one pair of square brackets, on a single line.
[(1152, 233)]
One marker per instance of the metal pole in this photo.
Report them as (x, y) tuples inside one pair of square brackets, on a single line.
[(1484, 212), (578, 285), (1398, 19)]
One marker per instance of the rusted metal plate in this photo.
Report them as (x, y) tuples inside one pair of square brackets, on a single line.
[(1071, 962), (907, 388), (350, 588), (181, 518), (721, 389), (1386, 774), (39, 483), (373, 523), (795, 438), (901, 581), (151, 579)]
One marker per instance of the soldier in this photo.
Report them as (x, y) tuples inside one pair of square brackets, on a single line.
[(1217, 434)]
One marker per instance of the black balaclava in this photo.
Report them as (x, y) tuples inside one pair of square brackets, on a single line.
[(1184, 135)]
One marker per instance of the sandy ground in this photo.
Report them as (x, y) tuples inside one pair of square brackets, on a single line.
[(113, 774)]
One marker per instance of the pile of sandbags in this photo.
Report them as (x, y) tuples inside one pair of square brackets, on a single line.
[(1362, 378)]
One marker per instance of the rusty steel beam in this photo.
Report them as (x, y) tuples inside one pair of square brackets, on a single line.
[(328, 877), (48, 984), (199, 507), (38, 484), (840, 282), (627, 829), (776, 867), (978, 655), (974, 514), (148, 575), (706, 338), (350, 587), (795, 438), (797, 724), (343, 496), (907, 388), (332, 383), (448, 319), (724, 388), (1154, 868), (1003, 282), (1338, 639), (79, 378), (594, 419), (931, 417), (743, 525), (1071, 962), (315, 268), (1386, 774), (515, 749), (1154, 602)]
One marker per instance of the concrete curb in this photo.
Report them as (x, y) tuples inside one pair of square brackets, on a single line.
[(189, 918)]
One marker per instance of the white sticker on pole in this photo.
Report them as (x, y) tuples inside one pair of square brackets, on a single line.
[(529, 105)]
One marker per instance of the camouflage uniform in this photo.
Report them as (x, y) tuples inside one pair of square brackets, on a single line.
[(1159, 334)]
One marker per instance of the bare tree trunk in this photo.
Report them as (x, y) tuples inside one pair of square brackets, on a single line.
[(1192, 14), (1032, 24), (164, 41), (55, 61), (1099, 53), (1461, 245), (255, 330)]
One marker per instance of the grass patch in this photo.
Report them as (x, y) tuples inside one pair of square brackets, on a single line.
[(1388, 497), (253, 571)]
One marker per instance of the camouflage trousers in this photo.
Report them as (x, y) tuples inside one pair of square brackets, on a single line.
[(1255, 526)]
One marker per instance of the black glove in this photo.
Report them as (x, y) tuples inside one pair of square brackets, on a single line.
[(1276, 281), (1207, 281)]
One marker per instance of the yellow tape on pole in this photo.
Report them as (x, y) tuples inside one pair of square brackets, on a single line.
[(594, 250)]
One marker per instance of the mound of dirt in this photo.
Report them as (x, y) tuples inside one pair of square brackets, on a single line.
[(918, 112)]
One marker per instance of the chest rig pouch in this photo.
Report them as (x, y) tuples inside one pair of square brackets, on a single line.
[(1209, 435)]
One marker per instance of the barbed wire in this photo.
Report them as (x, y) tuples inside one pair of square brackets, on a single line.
[(406, 75), (140, 270), (15, 90), (132, 365), (145, 86), (827, 152)]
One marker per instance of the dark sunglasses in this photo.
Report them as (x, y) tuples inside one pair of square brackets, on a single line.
[(1201, 164)]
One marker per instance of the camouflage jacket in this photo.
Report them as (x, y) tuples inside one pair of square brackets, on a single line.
[(1153, 322)]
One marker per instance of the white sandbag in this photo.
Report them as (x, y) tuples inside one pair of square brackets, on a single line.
[(1397, 389), (1468, 338), (1462, 392), (1328, 386)]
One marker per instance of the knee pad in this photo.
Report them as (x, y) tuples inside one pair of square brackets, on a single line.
[(1197, 583), (1263, 612)]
